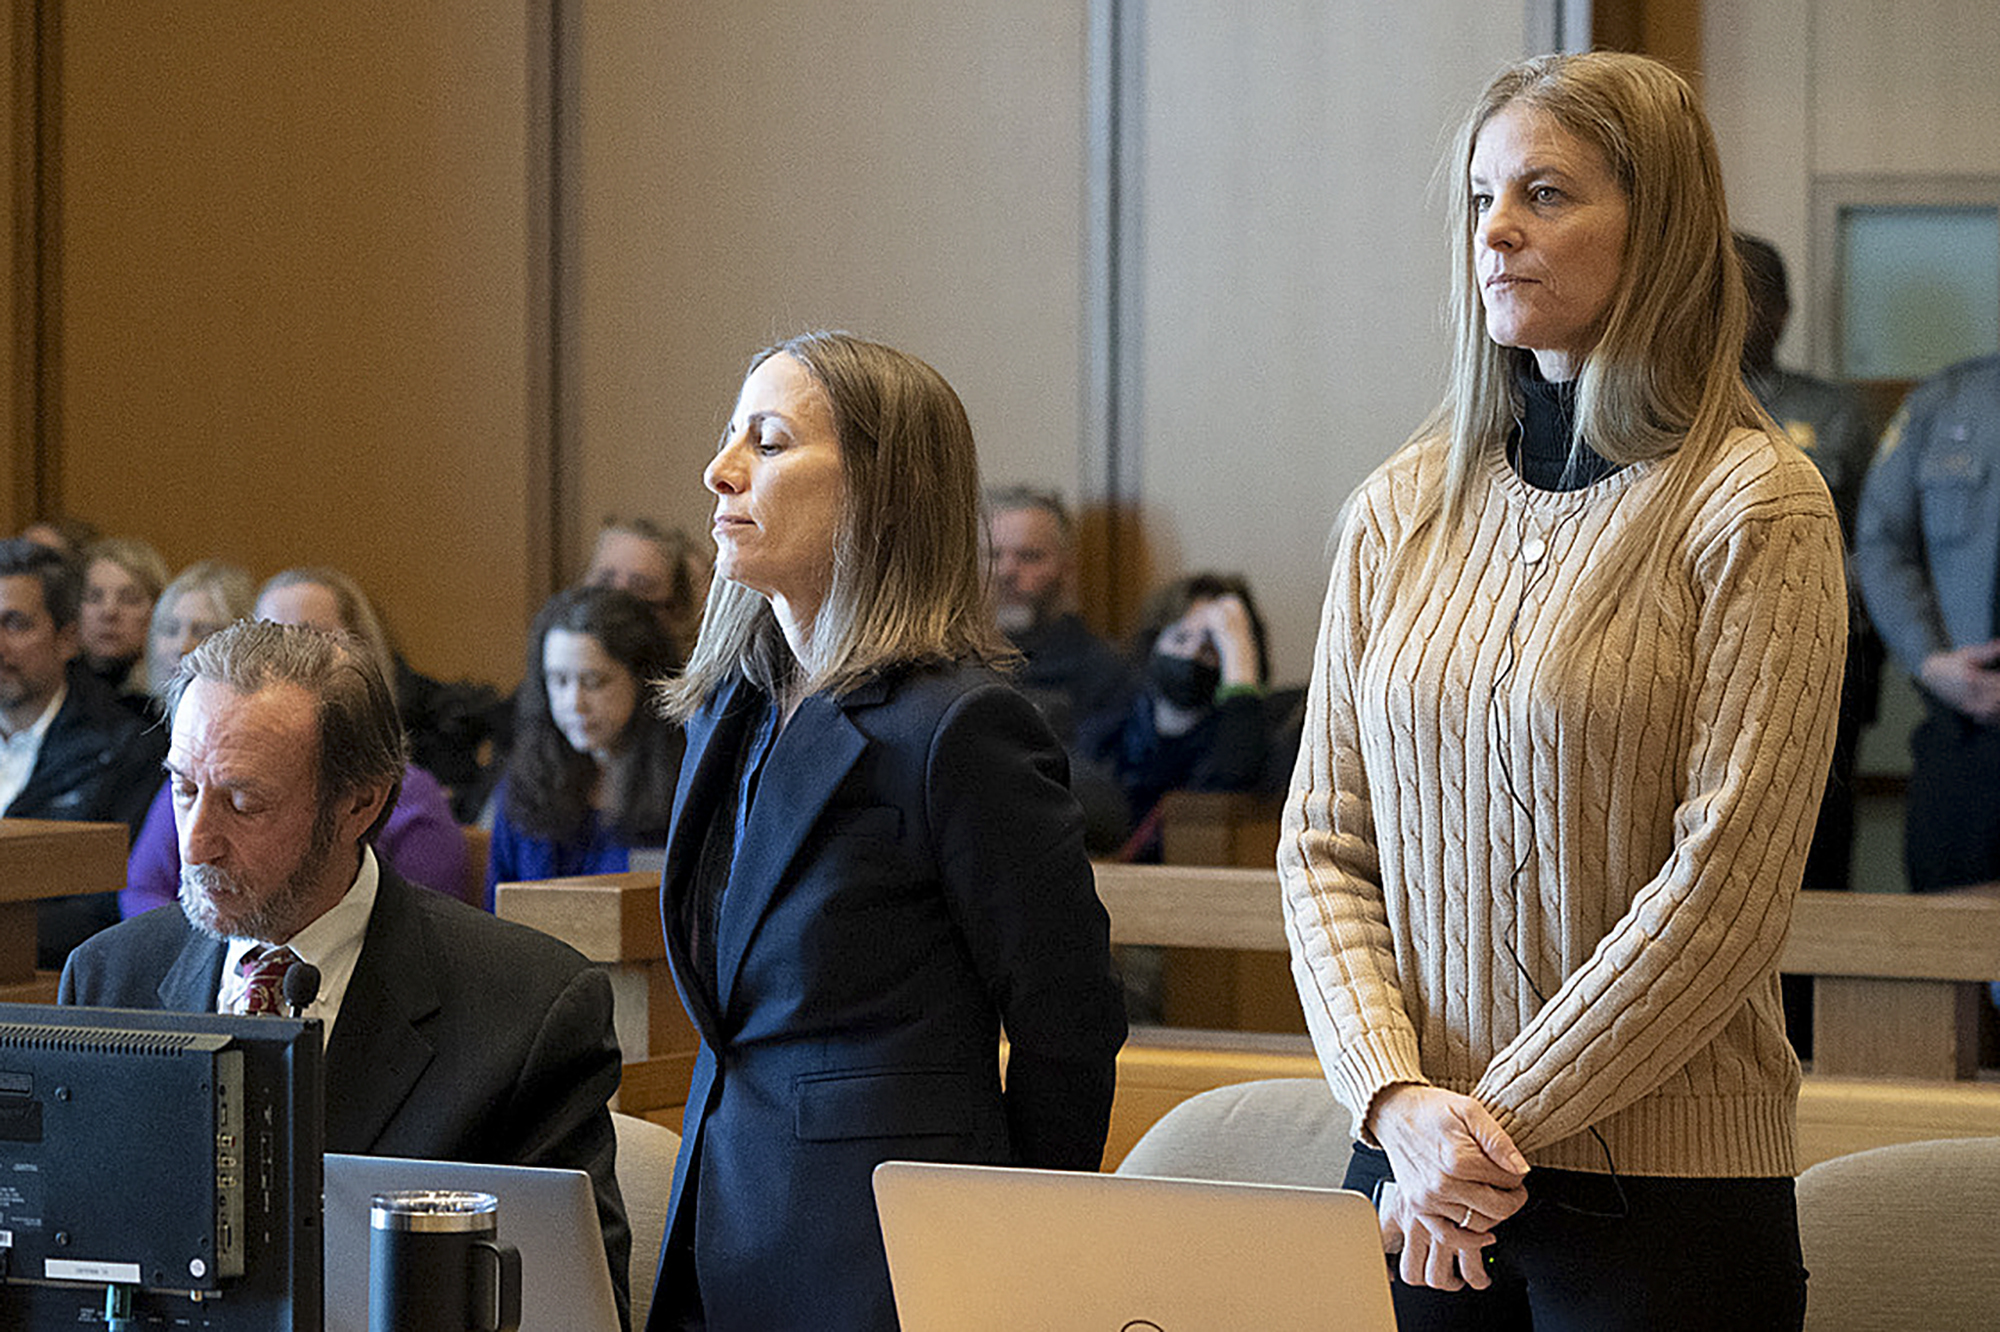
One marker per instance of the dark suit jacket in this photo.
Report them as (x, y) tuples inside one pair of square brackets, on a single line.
[(911, 875), (99, 763), (461, 1037)]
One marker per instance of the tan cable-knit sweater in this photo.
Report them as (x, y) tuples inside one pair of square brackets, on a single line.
[(1663, 792)]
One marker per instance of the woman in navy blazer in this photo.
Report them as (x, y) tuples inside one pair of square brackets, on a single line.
[(875, 863)]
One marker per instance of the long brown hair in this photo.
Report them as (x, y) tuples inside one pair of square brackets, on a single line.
[(907, 580), (549, 784), (1664, 382)]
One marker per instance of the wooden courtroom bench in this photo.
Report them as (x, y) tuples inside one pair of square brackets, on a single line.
[(47, 858), (1897, 975), (1240, 990), (614, 919), (1898, 978)]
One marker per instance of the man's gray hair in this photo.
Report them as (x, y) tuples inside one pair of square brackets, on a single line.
[(361, 742), (1011, 499)]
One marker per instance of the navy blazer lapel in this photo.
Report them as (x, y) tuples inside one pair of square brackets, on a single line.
[(195, 979), (377, 1054), (715, 737), (807, 763)]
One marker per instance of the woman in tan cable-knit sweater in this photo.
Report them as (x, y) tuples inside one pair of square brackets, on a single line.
[(1571, 711)]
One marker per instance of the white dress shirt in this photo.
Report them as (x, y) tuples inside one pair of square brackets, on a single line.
[(332, 943), (19, 751)]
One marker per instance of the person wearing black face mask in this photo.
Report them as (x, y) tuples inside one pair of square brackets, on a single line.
[(1203, 722), (1188, 683)]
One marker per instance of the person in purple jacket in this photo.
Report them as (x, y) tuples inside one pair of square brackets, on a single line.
[(593, 767), (420, 841)]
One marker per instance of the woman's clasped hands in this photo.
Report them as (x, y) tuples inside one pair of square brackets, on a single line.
[(1458, 1175)]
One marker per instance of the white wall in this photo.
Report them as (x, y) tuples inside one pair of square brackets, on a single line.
[(908, 170), (917, 172), (1798, 88), (1293, 265)]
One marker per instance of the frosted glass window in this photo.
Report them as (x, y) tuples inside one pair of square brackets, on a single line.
[(1919, 289)]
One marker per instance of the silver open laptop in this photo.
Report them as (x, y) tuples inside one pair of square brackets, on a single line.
[(987, 1247), (549, 1215)]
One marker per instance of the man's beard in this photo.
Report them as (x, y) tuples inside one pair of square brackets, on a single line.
[(222, 906), (14, 689)]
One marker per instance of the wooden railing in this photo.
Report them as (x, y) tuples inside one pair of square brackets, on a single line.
[(614, 919), (45, 858), (1898, 976), (1895, 974)]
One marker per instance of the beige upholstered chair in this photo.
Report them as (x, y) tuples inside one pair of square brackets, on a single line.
[(1903, 1237), (1277, 1131), (646, 1154)]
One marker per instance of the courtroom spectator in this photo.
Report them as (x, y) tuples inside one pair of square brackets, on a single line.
[(446, 723), (67, 537), (457, 730), (203, 598), (420, 841), (1079, 681), (450, 1035), (68, 749), (122, 580), (666, 569), (591, 774), (1204, 720), (875, 860), (1827, 420), (1927, 555)]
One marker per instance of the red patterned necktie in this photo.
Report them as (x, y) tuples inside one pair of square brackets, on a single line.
[(264, 971)]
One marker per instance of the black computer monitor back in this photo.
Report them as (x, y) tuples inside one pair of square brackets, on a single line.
[(173, 1155)]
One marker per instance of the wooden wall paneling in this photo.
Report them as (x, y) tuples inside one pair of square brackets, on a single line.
[(295, 299), (1667, 30), (16, 124), (913, 172), (1284, 273), (30, 484), (551, 541)]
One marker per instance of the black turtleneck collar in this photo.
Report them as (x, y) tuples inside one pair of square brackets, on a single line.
[(1540, 447)]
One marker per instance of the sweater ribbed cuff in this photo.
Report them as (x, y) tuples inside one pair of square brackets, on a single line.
[(1379, 1059), (1751, 1136)]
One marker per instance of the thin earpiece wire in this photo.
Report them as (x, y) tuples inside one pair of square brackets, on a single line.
[(1500, 737)]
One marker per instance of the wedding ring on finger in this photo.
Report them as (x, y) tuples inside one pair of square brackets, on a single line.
[(1467, 1223)]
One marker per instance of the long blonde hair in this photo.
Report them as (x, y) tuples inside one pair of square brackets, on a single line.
[(230, 588), (1664, 382), (906, 562)]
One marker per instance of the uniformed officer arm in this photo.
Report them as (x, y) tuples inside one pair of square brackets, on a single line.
[(1889, 561)]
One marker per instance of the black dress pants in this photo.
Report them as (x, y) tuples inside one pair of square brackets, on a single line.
[(1952, 821), (1588, 1253)]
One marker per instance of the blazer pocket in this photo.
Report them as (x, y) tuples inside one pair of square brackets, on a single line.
[(899, 1103), (880, 823)]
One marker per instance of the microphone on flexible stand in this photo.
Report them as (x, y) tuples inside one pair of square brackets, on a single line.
[(301, 985)]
